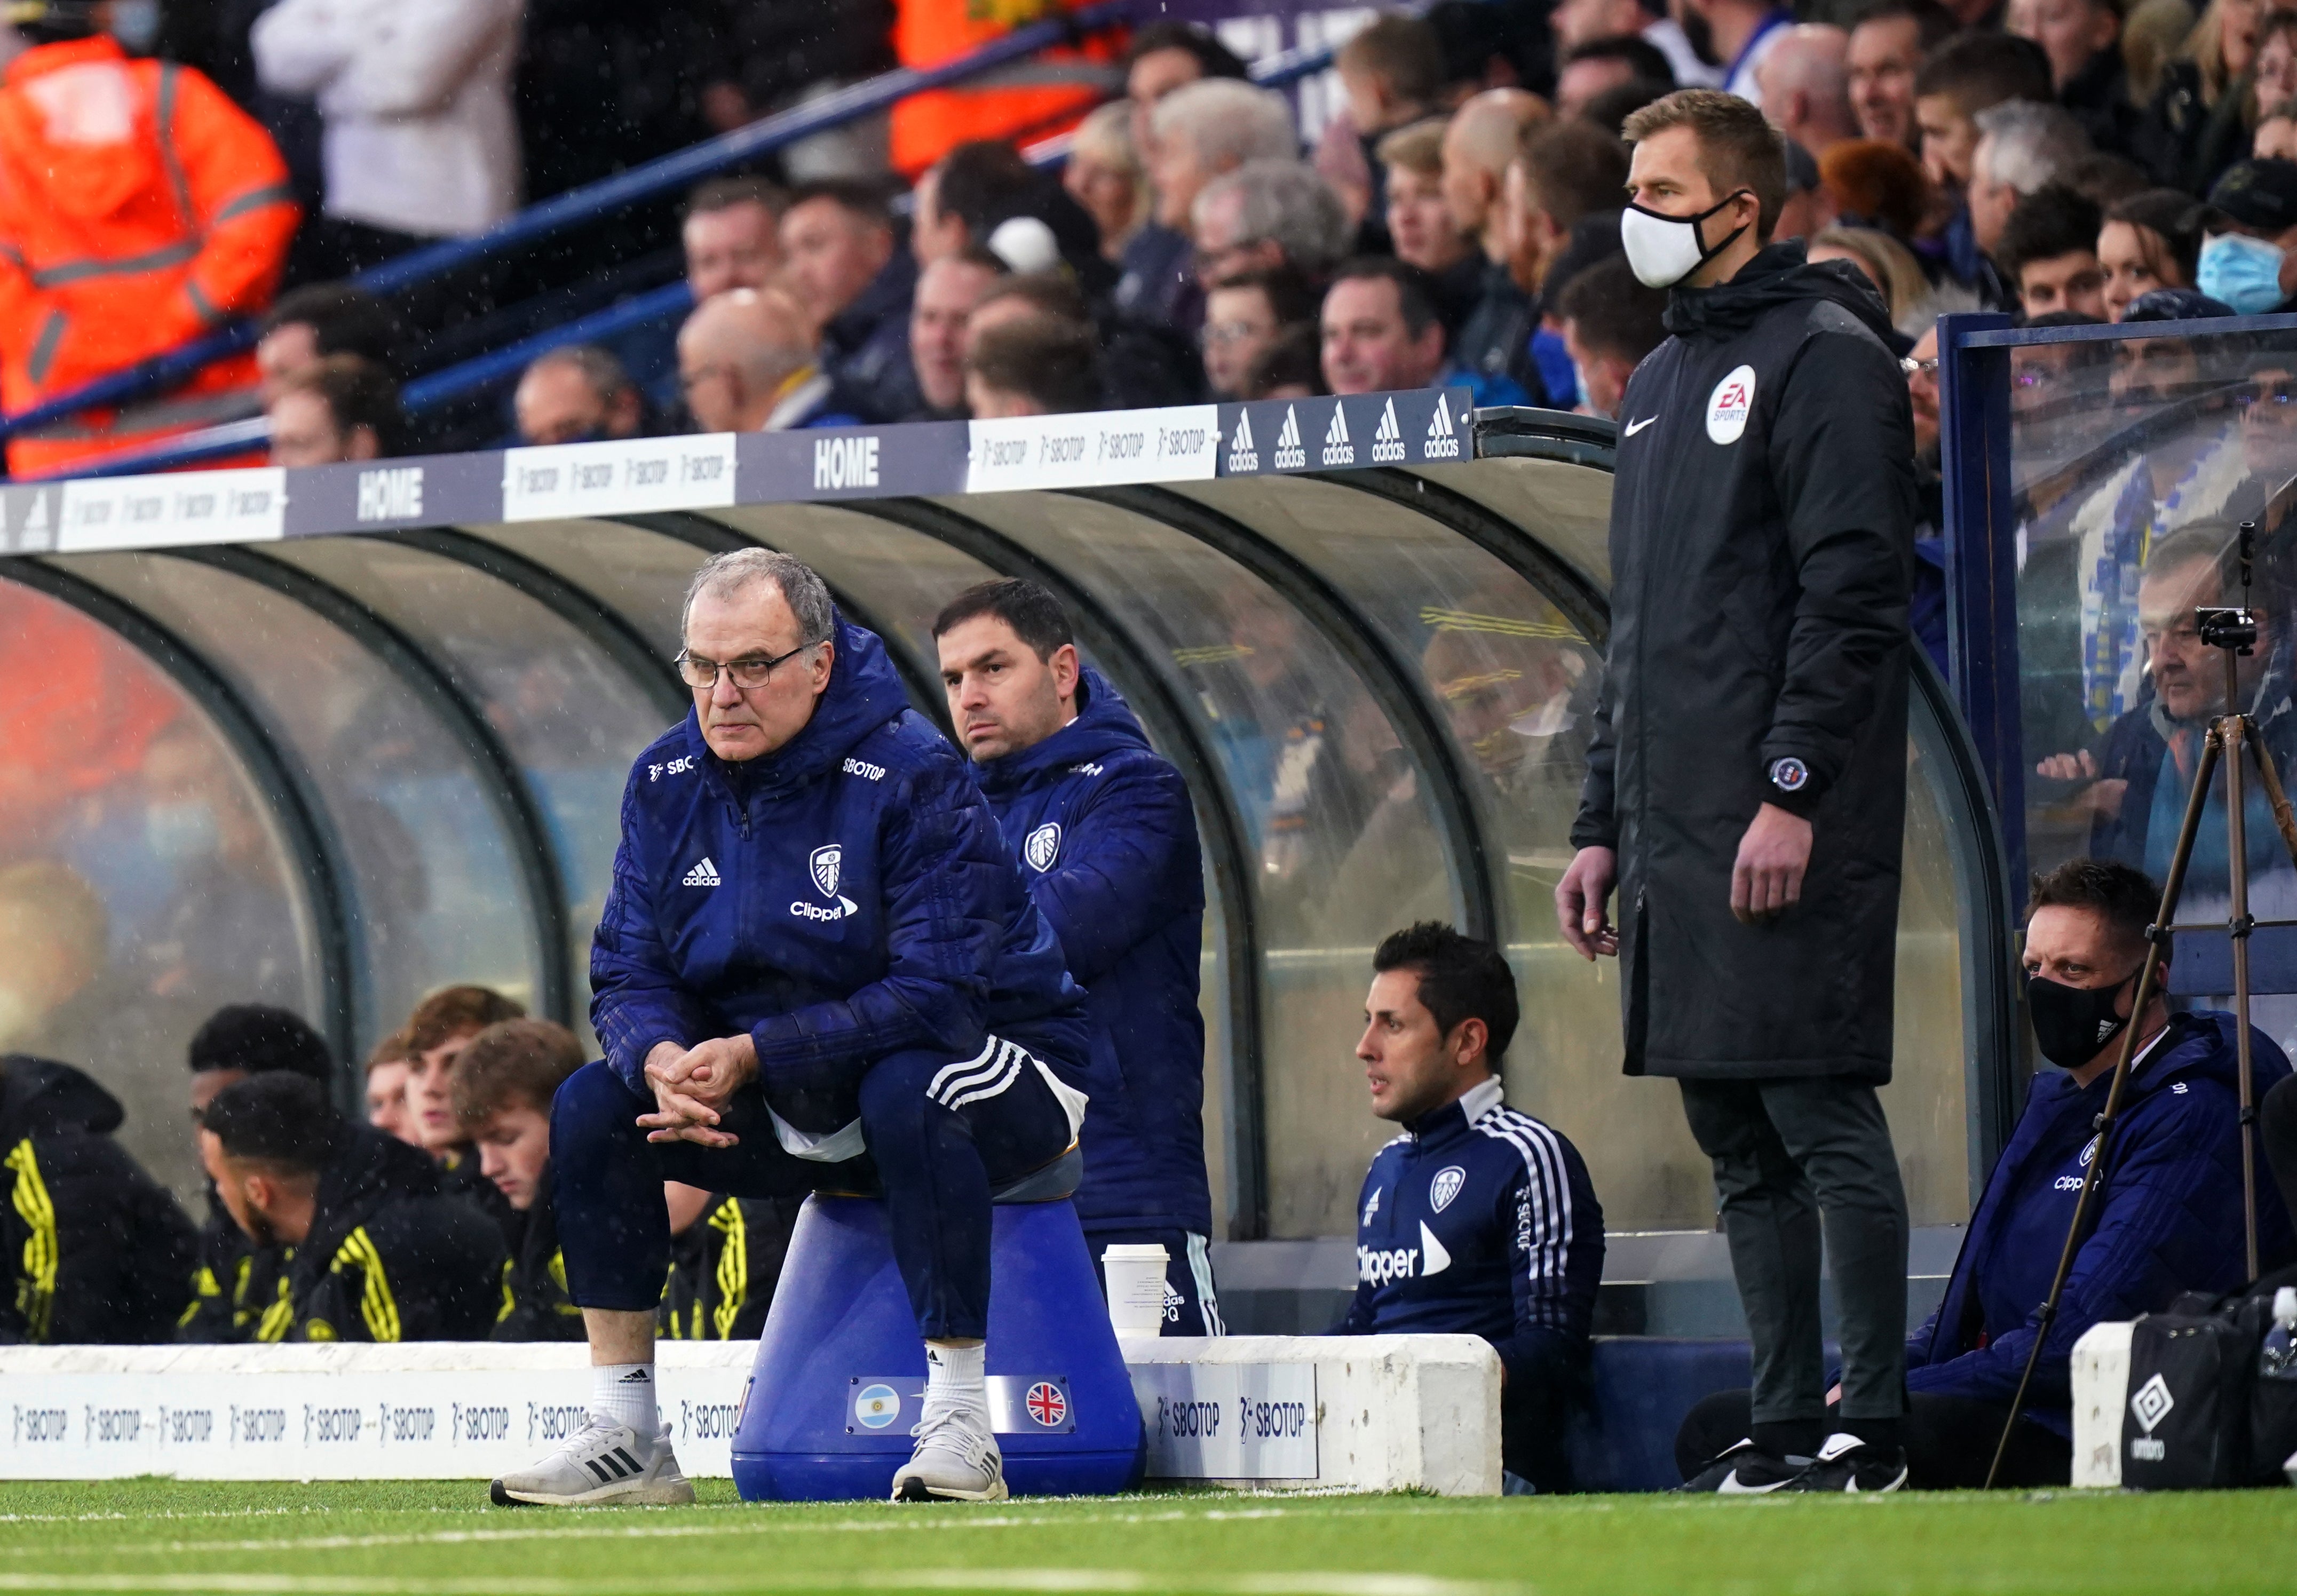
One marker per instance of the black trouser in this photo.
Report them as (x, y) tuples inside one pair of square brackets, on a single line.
[(1787, 1152), (1534, 1415), (1949, 1441)]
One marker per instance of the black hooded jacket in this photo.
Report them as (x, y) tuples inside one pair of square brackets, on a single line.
[(1762, 541), (389, 1257), (535, 1304), (723, 1269), (95, 1249)]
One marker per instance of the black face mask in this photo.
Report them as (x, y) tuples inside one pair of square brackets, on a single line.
[(2072, 1023)]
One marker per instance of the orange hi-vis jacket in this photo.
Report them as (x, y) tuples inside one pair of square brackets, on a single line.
[(1032, 97), (139, 207)]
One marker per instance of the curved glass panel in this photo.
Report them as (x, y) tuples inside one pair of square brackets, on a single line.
[(639, 575), (1322, 777), (143, 880), (437, 896), (573, 720), (1566, 508)]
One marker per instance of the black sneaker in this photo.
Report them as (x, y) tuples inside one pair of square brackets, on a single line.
[(1846, 1463), (1745, 1469)]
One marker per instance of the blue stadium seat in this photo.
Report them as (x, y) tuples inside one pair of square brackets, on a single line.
[(840, 1370), (1644, 1385)]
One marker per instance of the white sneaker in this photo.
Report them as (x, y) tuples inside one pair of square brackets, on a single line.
[(956, 1460), (601, 1465)]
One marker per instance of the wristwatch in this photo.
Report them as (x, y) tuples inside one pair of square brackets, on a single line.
[(1792, 787)]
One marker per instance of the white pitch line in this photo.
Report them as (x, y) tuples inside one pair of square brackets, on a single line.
[(1118, 1582)]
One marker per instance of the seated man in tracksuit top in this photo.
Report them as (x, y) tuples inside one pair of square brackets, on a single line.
[(505, 1079), (817, 965), (1478, 1219), (1108, 843), (2166, 1217)]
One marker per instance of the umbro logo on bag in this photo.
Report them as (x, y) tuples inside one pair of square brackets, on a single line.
[(704, 874)]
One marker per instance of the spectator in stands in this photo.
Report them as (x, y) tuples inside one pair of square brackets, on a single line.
[(1028, 293), (1494, 345), (344, 408), (1244, 315), (1264, 215), (232, 1280), (1168, 54), (1610, 322), (1139, 366), (306, 325), (1806, 87), (746, 364), (1876, 183), (732, 235), (577, 393), (1888, 42), (947, 291), (2023, 145), (2248, 261), (726, 1256), (1032, 365), (1391, 76), (1196, 133), (2048, 254), (1563, 174), (1380, 330), (984, 193), (1105, 175), (502, 1085), (1478, 1219), (1741, 33), (2275, 78), (2195, 126), (1591, 69), (420, 141), (93, 1248), (855, 285), (2083, 40), (1889, 265), (138, 209), (1290, 367), (1420, 223), (437, 1033), (1611, 110), (1578, 22), (2276, 134), (1964, 77), (1107, 835), (2169, 1219), (2149, 241), (387, 1069), (379, 1253)]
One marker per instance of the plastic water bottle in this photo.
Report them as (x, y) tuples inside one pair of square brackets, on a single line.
[(2278, 1361)]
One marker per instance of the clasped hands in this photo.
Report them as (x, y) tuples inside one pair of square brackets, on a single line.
[(691, 1088)]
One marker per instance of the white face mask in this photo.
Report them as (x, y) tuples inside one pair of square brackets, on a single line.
[(1665, 250), (1579, 375)]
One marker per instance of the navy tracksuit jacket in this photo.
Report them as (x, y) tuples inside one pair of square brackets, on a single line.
[(1480, 1220), (2168, 1218), (844, 898), (1108, 842)]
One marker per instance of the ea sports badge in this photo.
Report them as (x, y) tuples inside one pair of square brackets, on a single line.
[(1730, 403)]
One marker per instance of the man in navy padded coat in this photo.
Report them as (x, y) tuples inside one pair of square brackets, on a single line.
[(2167, 1217), (1108, 843), (817, 966), (1478, 1219)]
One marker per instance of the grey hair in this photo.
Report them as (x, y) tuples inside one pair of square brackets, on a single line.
[(608, 376), (722, 576), (1284, 202), (1228, 120), (2032, 143)]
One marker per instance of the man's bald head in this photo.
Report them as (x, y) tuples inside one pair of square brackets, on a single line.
[(1481, 140), (737, 353), (1806, 83)]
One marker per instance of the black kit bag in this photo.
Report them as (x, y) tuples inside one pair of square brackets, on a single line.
[(2198, 1416)]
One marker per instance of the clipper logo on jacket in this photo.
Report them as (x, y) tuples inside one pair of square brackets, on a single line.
[(824, 862)]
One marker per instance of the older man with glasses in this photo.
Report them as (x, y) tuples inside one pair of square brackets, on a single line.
[(817, 965)]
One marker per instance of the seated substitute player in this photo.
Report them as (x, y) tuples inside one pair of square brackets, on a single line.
[(440, 1027), (236, 1280), (376, 1251), (726, 1258), (502, 1085), (818, 965), (1108, 843), (2167, 1218), (1478, 1219)]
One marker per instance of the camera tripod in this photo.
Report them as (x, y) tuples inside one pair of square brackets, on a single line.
[(2231, 734)]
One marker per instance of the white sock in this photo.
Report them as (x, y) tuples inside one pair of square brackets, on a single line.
[(955, 1376), (624, 1394)]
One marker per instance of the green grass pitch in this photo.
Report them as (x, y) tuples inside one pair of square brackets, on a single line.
[(406, 1539)]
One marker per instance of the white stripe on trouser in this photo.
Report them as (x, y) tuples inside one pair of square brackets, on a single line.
[(988, 1056), (1200, 1269), (990, 1073)]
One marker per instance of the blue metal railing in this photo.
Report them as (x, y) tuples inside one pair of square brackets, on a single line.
[(474, 376)]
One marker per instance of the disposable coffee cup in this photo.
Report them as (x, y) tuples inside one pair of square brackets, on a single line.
[(1136, 1288)]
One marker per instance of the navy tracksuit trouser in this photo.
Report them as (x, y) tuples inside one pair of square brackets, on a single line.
[(936, 1164)]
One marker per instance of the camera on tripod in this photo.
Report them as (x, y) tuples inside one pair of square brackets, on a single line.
[(2234, 629)]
